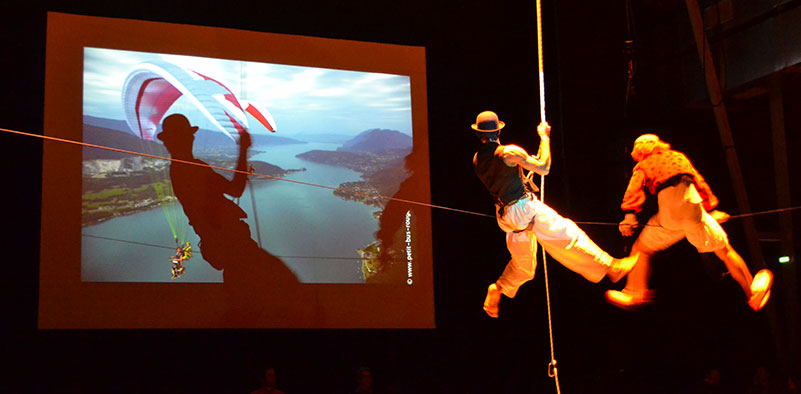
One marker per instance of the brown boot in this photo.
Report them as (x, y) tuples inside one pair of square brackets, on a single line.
[(630, 299)]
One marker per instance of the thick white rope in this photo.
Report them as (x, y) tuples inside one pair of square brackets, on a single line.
[(552, 371)]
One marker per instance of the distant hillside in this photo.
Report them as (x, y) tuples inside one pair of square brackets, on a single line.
[(354, 161), (378, 142), (111, 124), (325, 138), (115, 138), (381, 174), (210, 140), (204, 139), (264, 168)]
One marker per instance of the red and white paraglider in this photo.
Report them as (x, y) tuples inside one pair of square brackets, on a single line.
[(151, 88)]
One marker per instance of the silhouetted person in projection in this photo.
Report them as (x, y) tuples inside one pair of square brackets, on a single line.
[(392, 226), (225, 240)]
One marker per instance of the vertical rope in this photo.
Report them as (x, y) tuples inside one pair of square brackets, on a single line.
[(539, 61), (243, 93), (552, 371), (255, 212)]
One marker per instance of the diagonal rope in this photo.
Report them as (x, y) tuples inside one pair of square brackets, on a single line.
[(593, 223), (255, 211), (170, 159)]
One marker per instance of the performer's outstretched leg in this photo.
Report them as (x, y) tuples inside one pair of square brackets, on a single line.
[(636, 292), (637, 280), (710, 236), (571, 247), (756, 288), (522, 246), (567, 243), (737, 268)]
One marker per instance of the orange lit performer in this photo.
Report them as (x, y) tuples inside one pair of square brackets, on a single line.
[(684, 199), (526, 219)]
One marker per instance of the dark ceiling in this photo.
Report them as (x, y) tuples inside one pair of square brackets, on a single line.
[(480, 55)]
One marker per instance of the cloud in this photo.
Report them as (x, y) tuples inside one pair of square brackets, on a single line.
[(294, 95), (330, 92)]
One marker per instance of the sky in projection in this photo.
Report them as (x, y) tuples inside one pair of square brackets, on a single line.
[(302, 100)]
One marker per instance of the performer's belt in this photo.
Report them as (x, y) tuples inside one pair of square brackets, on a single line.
[(675, 180), (502, 205)]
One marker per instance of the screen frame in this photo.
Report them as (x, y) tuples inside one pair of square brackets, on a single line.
[(67, 303)]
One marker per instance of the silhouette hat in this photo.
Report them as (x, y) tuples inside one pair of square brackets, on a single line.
[(176, 127), (487, 122)]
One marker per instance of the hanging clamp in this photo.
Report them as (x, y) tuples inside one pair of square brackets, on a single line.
[(552, 368)]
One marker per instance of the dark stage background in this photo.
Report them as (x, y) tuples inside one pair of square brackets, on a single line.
[(480, 55)]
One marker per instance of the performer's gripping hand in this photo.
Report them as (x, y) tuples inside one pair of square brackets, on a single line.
[(544, 129), (628, 225), (244, 140)]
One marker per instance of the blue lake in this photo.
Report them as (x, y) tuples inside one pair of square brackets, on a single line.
[(315, 233)]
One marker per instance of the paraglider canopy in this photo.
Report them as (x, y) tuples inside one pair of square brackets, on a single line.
[(151, 89)]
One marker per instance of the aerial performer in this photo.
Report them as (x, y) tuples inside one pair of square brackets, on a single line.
[(686, 210), (182, 252), (526, 219)]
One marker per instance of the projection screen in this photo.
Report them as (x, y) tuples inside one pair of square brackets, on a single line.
[(320, 221)]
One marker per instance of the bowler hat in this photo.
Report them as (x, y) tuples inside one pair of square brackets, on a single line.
[(487, 121), (176, 126)]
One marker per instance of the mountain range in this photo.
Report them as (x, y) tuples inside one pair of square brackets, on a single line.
[(378, 142), (204, 139)]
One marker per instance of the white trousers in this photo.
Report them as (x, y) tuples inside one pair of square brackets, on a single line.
[(529, 220), (680, 216)]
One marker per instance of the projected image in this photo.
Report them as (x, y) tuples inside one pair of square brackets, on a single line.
[(324, 144)]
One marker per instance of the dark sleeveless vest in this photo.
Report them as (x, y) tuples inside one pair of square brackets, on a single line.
[(503, 182)]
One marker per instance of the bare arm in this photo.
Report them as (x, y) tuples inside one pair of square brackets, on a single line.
[(541, 163), (236, 187)]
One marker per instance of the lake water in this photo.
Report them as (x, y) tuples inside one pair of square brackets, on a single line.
[(315, 233)]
